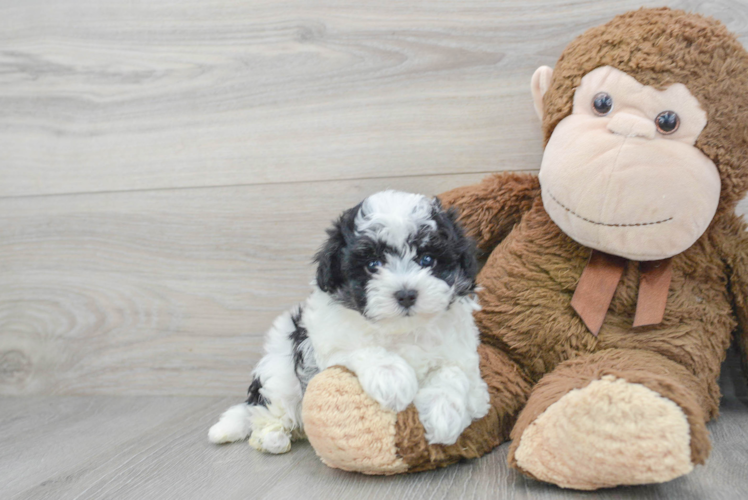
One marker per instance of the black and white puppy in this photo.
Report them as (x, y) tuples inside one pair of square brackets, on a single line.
[(392, 302)]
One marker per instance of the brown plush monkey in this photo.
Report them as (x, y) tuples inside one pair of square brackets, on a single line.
[(614, 280)]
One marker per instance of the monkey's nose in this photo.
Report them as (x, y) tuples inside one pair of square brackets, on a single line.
[(630, 125), (406, 298)]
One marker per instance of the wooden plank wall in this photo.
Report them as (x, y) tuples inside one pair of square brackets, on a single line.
[(167, 168)]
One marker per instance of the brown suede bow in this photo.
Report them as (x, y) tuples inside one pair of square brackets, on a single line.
[(600, 279)]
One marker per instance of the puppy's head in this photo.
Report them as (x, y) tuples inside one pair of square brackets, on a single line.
[(397, 257)]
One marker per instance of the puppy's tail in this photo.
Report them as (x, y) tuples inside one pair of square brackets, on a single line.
[(234, 425)]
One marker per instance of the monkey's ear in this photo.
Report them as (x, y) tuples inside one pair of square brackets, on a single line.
[(329, 258), (541, 82)]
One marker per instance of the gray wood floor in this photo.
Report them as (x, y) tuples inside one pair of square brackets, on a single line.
[(138, 447), (167, 169)]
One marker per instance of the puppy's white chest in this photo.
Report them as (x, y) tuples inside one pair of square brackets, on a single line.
[(423, 361)]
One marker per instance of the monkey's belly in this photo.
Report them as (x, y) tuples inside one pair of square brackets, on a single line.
[(530, 278)]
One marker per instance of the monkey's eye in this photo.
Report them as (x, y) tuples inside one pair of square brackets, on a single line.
[(373, 265), (602, 103), (667, 122), (427, 261)]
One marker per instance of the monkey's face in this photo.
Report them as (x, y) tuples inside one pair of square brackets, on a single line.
[(621, 174)]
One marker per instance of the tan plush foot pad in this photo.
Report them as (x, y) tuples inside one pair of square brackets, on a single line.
[(609, 433), (347, 429)]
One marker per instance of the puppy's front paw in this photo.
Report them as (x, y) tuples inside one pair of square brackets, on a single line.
[(443, 414), (392, 384)]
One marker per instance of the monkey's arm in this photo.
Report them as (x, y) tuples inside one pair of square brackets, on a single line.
[(736, 256), (490, 209)]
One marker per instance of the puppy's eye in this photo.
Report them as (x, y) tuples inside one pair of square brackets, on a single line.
[(427, 261), (602, 103), (373, 265)]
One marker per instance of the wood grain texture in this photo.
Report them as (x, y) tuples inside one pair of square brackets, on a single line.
[(96, 447), (109, 95), (129, 283), (160, 292)]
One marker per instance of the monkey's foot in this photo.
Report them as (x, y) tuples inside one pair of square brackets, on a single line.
[(351, 431), (609, 433)]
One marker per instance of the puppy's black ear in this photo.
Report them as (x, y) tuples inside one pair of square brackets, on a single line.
[(436, 203), (466, 245), (329, 258), (463, 244)]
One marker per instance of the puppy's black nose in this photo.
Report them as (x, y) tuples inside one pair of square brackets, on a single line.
[(406, 298)]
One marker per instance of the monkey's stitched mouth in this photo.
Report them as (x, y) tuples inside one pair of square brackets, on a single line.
[(638, 224)]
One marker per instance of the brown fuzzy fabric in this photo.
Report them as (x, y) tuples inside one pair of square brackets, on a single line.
[(660, 47), (492, 208), (735, 255), (653, 371), (530, 278), (347, 428)]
